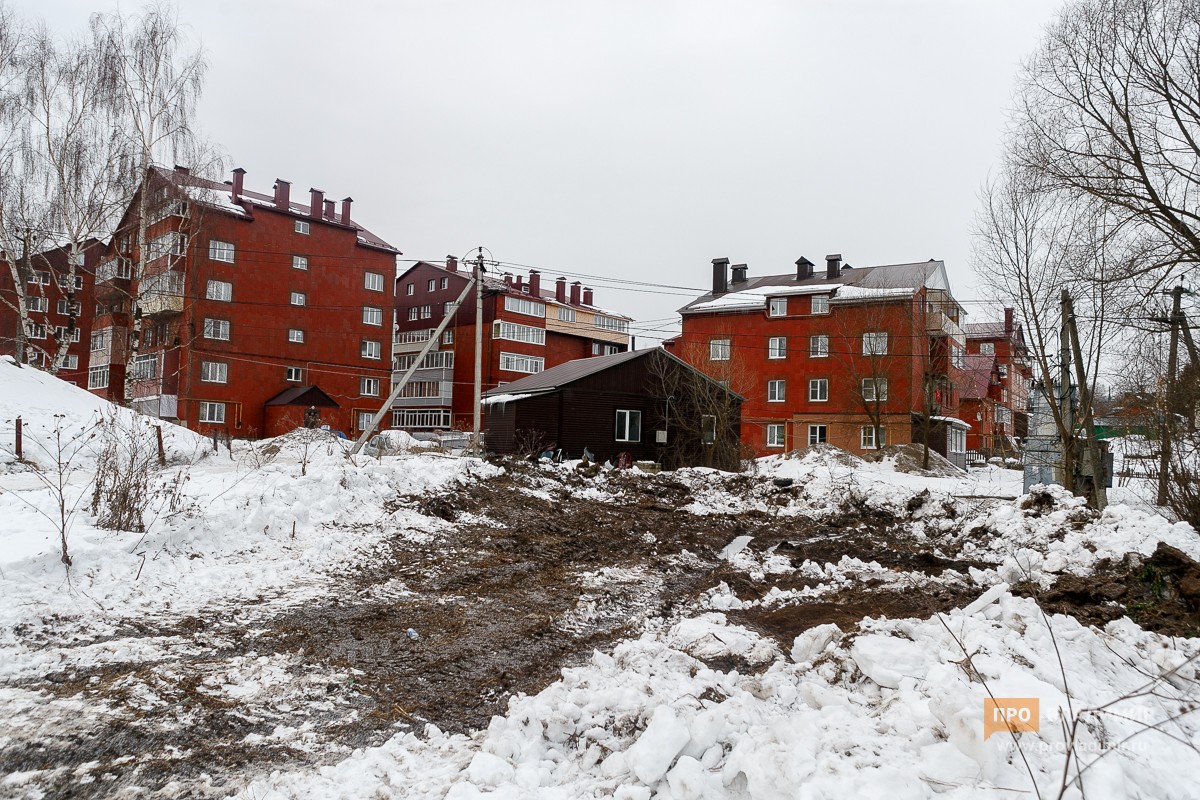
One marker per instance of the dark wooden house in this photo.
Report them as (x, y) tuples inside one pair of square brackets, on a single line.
[(645, 405)]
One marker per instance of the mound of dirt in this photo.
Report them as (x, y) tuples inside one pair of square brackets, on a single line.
[(910, 458)]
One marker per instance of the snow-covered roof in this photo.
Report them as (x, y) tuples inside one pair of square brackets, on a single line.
[(953, 421), (503, 398), (756, 298), (848, 293)]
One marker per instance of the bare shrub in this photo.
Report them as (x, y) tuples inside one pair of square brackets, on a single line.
[(1183, 480), (528, 443), (128, 458)]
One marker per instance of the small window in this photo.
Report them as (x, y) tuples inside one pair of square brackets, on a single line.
[(71, 362), (214, 372), (299, 299), (67, 308), (38, 332), (409, 289), (875, 344), (432, 286), (78, 282), (61, 334), (776, 391), (820, 304), (372, 315), (212, 412), (566, 314), (448, 336), (718, 350), (301, 227), (987, 348), (293, 374), (708, 428), (100, 340), (777, 347), (869, 439), (36, 304), (817, 434), (368, 387), (216, 329), (426, 312), (144, 367), (412, 314), (40, 276), (956, 356), (219, 290), (373, 281), (371, 349), (777, 435), (818, 390), (364, 420), (874, 389), (447, 307), (445, 283), (629, 426), (296, 335), (220, 251), (778, 307), (818, 346), (299, 262)]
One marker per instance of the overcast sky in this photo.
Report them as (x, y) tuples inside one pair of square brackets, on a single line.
[(623, 140)]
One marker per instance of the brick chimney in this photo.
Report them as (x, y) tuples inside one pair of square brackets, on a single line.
[(346, 201), (535, 283), (329, 206), (452, 263), (804, 269), (833, 266), (587, 296), (317, 199), (720, 275), (1008, 323), (519, 283), (575, 293), (508, 279), (237, 184), (739, 273), (560, 290), (283, 191)]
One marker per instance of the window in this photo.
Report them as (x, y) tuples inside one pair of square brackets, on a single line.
[(777, 347), (364, 419), (610, 323), (219, 290), (214, 372), (818, 390), (369, 387), (432, 285), (145, 367), (408, 289), (100, 340), (957, 440), (299, 299), (212, 412), (37, 332), (515, 362), (424, 389), (35, 357), (777, 435), (708, 428), (420, 418), (40, 276), (293, 374), (220, 251), (371, 349), (426, 312), (523, 305), (412, 314), (874, 389), (71, 362), (778, 307), (216, 329), (817, 434), (299, 262), (445, 283), (438, 359), (518, 333), (820, 304), (875, 344), (869, 439), (776, 391), (301, 227), (373, 281), (296, 335), (956, 356), (60, 333), (566, 314), (78, 282), (67, 308), (718, 350), (604, 349), (372, 315), (36, 304), (97, 377), (818, 346), (629, 426), (448, 336), (987, 348)]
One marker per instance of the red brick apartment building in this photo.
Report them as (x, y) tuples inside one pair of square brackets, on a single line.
[(527, 329), (1001, 422), (49, 293), (854, 357), (253, 308)]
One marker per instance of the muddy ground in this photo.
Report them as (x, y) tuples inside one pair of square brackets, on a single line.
[(523, 583)]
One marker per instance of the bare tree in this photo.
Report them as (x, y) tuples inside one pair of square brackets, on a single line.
[(1109, 111), (703, 412)]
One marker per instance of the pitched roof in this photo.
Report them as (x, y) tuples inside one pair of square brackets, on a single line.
[(984, 330), (303, 396), (977, 376), (563, 374)]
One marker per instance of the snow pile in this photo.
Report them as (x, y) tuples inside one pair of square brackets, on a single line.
[(893, 709)]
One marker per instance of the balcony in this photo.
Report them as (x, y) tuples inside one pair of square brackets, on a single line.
[(410, 341), (938, 323), (161, 295)]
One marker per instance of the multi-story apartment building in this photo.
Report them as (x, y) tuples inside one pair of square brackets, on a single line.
[(527, 328), (252, 309), (1008, 422), (50, 292), (855, 357), (980, 405)]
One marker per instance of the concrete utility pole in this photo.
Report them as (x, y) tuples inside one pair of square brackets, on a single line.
[(475, 444), (1168, 427)]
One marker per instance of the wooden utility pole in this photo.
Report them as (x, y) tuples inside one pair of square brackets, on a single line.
[(1167, 431), (478, 420), (1100, 493)]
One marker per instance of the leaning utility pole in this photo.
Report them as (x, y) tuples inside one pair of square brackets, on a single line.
[(475, 443), (1168, 427)]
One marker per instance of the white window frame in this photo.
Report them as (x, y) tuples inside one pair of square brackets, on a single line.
[(448, 336), (373, 282), (818, 346), (819, 304), (626, 420), (987, 348), (368, 387), (427, 312), (300, 262), (523, 305), (777, 307), (445, 283), (212, 413), (371, 349), (100, 340), (412, 313), (296, 335), (432, 285), (293, 374), (221, 291), (818, 390), (867, 437), (818, 434), (70, 361), (36, 303), (98, 377), (870, 387), (214, 328), (214, 372), (221, 251), (515, 332), (875, 343), (372, 315), (776, 434), (719, 349), (566, 314), (64, 307), (301, 227), (298, 299), (520, 362), (777, 347), (145, 367), (776, 391)]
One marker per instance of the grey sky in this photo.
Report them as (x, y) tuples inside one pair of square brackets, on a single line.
[(629, 140)]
